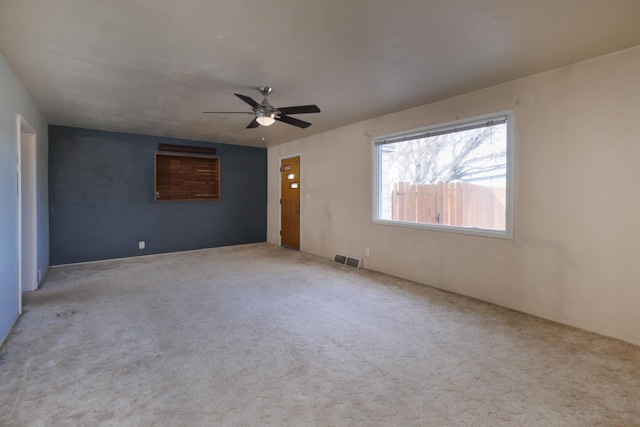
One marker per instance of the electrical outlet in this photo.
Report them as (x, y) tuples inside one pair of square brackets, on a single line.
[(366, 251), (141, 245)]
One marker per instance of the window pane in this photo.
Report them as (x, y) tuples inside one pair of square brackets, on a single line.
[(455, 178)]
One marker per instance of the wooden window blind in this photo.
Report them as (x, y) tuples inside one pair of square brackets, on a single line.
[(186, 177)]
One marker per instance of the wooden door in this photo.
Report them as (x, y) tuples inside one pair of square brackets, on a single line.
[(290, 203)]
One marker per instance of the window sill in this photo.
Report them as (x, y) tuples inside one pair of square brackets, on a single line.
[(496, 234)]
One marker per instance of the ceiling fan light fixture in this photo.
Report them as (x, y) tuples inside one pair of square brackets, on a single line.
[(265, 119), (266, 114)]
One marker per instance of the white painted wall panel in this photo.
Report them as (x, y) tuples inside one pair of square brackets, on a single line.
[(574, 258)]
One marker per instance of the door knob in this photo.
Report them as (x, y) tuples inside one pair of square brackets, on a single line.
[(297, 209)]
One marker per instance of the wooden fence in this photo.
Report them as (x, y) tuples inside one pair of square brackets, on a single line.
[(457, 203)]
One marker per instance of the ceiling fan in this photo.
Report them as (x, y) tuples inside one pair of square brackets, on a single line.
[(266, 114)]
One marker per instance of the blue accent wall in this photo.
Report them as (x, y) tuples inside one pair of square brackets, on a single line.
[(101, 198)]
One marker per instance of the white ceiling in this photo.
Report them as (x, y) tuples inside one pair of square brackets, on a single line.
[(151, 67)]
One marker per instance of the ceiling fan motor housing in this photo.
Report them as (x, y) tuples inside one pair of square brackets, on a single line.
[(266, 109), (266, 114)]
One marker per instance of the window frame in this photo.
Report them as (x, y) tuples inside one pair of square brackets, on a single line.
[(377, 142)]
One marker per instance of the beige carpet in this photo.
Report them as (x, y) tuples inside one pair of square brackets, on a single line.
[(257, 335)]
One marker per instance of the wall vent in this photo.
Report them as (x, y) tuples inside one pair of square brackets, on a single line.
[(347, 260)]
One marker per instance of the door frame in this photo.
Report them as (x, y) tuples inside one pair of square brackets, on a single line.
[(26, 135), (280, 159)]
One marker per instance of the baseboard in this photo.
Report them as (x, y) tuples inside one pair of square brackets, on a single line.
[(150, 255), (43, 278), (564, 322), (8, 334)]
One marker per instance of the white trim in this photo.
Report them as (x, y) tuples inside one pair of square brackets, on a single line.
[(511, 158), (300, 180), (375, 165), (27, 144), (445, 228), (19, 202), (450, 125), (509, 208)]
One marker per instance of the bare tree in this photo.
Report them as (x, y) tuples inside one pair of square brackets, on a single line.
[(448, 157)]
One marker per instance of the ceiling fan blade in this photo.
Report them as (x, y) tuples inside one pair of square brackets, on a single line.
[(248, 100), (227, 112), (300, 109), (254, 124), (290, 120)]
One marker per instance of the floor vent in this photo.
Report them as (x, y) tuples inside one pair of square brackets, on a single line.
[(347, 260)]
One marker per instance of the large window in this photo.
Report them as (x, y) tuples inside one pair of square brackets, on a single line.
[(451, 177)]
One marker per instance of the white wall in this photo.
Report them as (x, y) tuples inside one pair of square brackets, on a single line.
[(14, 100), (575, 256)]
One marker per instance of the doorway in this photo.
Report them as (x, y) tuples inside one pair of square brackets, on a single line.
[(290, 203), (27, 208)]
